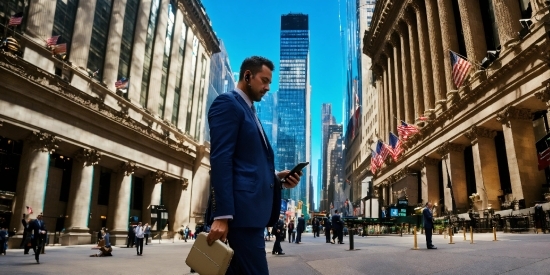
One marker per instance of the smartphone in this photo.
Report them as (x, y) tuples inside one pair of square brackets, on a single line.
[(297, 168)]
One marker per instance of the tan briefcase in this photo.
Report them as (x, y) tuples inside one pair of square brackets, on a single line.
[(209, 260)]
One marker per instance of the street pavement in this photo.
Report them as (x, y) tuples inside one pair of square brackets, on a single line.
[(512, 254)]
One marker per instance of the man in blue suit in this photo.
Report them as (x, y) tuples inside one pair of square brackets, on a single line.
[(245, 192), (428, 225), (39, 236)]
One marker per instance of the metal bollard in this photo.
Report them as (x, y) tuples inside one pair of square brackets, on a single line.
[(494, 234), (351, 246), (464, 231), (471, 236), (450, 236), (415, 240)]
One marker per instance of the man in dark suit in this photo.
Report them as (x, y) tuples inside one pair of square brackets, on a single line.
[(300, 228), (245, 192), (337, 228), (278, 232), (315, 227), (291, 232), (39, 236), (428, 225)]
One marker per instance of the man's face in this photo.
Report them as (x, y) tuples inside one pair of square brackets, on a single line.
[(39, 217), (259, 84), (429, 205)]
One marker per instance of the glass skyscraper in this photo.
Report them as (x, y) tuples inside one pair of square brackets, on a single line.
[(293, 118)]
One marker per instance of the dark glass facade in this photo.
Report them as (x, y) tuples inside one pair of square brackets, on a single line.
[(148, 56), (292, 99), (128, 29), (100, 32), (63, 24), (179, 75), (166, 57)]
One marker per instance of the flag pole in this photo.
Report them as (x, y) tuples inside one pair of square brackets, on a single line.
[(473, 62)]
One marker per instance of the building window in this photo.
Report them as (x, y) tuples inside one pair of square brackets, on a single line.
[(63, 23), (100, 31), (202, 91), (127, 41), (459, 30), (137, 193), (489, 24), (192, 83), (179, 75), (166, 56), (147, 59), (66, 165), (104, 187)]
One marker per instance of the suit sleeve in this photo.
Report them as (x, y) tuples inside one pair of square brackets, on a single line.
[(224, 120)]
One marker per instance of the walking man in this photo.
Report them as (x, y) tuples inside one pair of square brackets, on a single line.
[(278, 232), (337, 228), (291, 232), (140, 233), (328, 227), (428, 225), (301, 227), (39, 236), (147, 232)]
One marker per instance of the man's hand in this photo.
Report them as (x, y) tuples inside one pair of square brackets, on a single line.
[(292, 180), (218, 231)]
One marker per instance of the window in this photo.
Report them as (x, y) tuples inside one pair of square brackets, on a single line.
[(192, 83), (179, 75), (100, 32), (147, 59), (127, 41), (104, 186), (63, 23), (166, 56)]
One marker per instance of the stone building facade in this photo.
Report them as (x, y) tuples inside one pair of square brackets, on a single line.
[(86, 154), (476, 138)]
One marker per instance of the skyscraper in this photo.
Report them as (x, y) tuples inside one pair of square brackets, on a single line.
[(327, 119), (267, 114), (293, 120)]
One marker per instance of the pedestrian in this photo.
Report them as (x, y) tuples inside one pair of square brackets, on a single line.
[(428, 225), (278, 232), (244, 185), (337, 228), (105, 249), (186, 233), (139, 234), (3, 240), (27, 242), (291, 232), (300, 229), (131, 236), (147, 232), (328, 227), (315, 226), (100, 234), (23, 240), (39, 236)]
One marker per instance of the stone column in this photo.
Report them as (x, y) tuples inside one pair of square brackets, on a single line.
[(138, 52), (186, 80), (521, 153), (425, 56), (430, 180), (32, 180), (436, 51), (392, 104), (40, 21), (153, 95), (485, 165), (449, 37), (384, 111), (80, 196), (398, 78), (472, 27), (198, 91), (377, 70), (406, 70), (151, 194), (114, 40), (119, 204), (80, 47), (454, 170), (507, 16), (416, 69)]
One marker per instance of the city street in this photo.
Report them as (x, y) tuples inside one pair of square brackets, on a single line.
[(512, 254)]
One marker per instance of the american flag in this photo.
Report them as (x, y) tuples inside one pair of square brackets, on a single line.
[(382, 151), (52, 40), (406, 130), (396, 149), (461, 67), (372, 163), (60, 49), (121, 83), (16, 19)]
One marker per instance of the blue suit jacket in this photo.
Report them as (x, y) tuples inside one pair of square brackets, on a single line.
[(428, 218), (243, 181)]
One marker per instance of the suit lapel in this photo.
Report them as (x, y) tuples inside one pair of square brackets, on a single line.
[(250, 114)]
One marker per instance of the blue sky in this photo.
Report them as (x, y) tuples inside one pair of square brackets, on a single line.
[(253, 28)]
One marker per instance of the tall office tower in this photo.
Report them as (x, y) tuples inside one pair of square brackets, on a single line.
[(334, 164), (319, 191), (293, 131), (221, 80), (267, 114), (327, 119)]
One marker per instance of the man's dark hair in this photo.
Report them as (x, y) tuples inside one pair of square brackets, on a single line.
[(254, 64), (335, 211)]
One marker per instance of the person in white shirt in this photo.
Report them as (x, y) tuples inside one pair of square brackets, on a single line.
[(140, 233)]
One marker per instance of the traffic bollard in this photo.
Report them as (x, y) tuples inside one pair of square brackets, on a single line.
[(415, 240), (471, 236), (450, 236), (494, 234)]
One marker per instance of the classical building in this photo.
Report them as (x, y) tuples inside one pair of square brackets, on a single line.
[(478, 137), (88, 154)]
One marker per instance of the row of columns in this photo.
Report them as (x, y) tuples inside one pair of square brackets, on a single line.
[(521, 155), (32, 186), (40, 26), (414, 72)]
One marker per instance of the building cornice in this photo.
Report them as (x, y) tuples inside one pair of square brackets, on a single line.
[(197, 14)]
